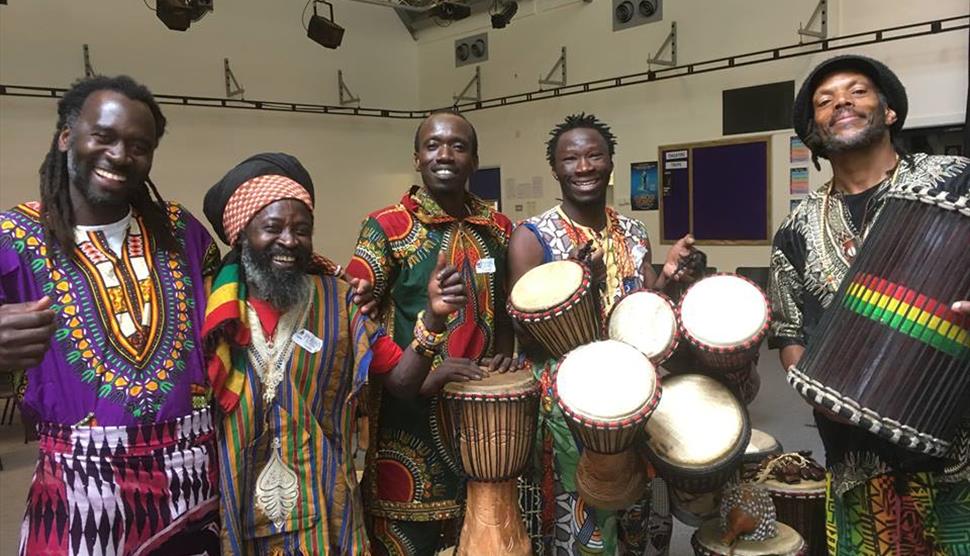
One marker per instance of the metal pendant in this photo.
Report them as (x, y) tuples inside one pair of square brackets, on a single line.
[(276, 489)]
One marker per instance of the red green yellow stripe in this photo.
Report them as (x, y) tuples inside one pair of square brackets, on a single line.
[(909, 312)]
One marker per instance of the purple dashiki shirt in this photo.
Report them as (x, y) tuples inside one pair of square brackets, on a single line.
[(126, 349)]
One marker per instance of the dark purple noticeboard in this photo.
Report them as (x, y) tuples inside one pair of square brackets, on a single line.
[(729, 190)]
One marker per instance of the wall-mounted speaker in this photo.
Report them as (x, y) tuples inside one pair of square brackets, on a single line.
[(471, 50), (630, 13)]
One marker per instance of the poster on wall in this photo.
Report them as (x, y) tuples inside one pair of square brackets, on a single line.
[(643, 185), (799, 152), (798, 183)]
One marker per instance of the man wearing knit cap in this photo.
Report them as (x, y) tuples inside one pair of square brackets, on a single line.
[(882, 499), (288, 354)]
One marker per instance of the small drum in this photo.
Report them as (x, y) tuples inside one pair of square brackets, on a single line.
[(888, 354), (697, 434), (693, 509), (796, 484), (745, 382), (724, 318), (761, 447), (555, 304), (494, 423), (707, 542), (607, 390), (647, 321)]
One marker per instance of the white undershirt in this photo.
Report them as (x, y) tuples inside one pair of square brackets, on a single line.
[(114, 232)]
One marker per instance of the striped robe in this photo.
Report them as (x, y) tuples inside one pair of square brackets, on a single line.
[(312, 415)]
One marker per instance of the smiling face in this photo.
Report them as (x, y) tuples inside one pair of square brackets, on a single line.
[(582, 166), (445, 154), (849, 112), (109, 151), (276, 248)]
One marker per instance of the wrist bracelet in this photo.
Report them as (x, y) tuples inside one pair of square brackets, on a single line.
[(426, 337), (423, 350)]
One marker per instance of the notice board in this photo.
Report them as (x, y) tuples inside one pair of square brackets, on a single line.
[(718, 191)]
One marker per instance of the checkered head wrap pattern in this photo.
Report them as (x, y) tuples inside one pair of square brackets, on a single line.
[(254, 195)]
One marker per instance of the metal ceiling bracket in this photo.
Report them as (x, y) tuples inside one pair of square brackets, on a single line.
[(821, 17), (475, 82), (559, 67), (231, 82), (346, 97), (671, 42), (88, 68)]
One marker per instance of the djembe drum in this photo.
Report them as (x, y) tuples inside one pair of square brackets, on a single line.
[(555, 304), (796, 484), (698, 433), (692, 508), (606, 390), (761, 446), (724, 318), (646, 320), (493, 422), (706, 541), (888, 354)]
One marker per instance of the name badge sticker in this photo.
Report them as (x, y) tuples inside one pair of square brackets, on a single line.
[(307, 340), (485, 266)]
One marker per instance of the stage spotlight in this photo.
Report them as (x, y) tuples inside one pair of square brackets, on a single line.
[(501, 19), (451, 11), (322, 30), (178, 15)]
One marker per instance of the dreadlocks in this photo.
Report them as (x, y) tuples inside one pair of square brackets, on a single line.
[(56, 208), (579, 121), (453, 112)]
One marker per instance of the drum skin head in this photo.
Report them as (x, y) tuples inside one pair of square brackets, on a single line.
[(513, 382), (606, 381), (644, 320), (761, 443), (546, 286), (788, 542), (723, 310), (698, 422)]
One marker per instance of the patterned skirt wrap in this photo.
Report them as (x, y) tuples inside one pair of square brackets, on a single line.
[(140, 489), (905, 515)]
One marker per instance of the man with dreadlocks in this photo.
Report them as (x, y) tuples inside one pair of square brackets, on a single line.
[(580, 151), (290, 353), (882, 499), (101, 299)]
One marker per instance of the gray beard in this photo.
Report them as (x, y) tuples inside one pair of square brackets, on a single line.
[(282, 289)]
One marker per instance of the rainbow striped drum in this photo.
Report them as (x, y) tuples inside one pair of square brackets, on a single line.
[(889, 355)]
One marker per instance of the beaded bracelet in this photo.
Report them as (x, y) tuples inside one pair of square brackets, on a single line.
[(425, 337), (423, 350)]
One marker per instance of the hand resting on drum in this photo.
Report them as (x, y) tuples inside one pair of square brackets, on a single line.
[(452, 369), (501, 363)]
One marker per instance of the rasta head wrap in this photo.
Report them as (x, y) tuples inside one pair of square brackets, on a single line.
[(254, 183)]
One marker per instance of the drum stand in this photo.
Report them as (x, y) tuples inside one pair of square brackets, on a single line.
[(611, 481), (493, 523)]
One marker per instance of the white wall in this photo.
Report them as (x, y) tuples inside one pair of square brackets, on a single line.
[(358, 164), (678, 110)]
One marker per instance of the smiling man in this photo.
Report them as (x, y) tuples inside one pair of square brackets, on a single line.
[(882, 499), (102, 288), (411, 481), (290, 354), (580, 153)]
